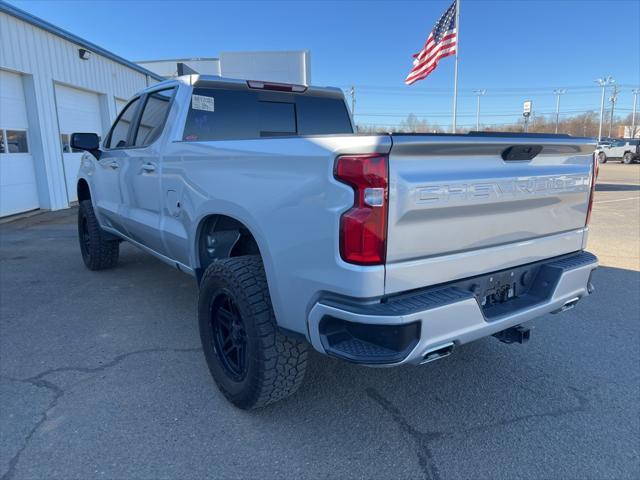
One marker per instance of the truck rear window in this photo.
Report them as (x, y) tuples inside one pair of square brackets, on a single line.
[(225, 114)]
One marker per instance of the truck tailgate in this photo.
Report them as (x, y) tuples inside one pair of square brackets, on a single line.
[(456, 197)]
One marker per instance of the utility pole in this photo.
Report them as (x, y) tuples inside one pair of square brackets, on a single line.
[(635, 92), (603, 82), (478, 93), (613, 99), (352, 92), (557, 92)]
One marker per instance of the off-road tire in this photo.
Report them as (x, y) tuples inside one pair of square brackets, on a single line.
[(627, 158), (275, 363), (602, 157), (99, 251)]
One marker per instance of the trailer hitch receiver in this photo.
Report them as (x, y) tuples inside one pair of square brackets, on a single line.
[(517, 334)]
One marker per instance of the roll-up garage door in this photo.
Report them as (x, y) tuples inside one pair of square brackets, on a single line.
[(78, 111), (18, 189), (120, 104)]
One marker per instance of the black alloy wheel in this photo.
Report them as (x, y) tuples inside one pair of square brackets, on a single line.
[(85, 238), (253, 362), (99, 250), (229, 335)]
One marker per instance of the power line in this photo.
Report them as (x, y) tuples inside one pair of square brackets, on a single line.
[(496, 89), (470, 114), (497, 93), (435, 126)]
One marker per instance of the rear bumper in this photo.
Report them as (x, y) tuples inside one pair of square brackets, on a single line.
[(408, 327)]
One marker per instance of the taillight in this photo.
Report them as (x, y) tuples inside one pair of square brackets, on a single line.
[(363, 228), (594, 177)]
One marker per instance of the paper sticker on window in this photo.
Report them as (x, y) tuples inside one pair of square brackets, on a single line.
[(201, 102)]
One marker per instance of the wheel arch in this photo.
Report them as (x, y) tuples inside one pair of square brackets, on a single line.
[(83, 190), (219, 236)]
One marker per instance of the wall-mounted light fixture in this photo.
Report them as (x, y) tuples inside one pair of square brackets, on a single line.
[(84, 54)]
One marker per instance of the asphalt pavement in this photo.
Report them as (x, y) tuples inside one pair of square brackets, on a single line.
[(102, 377)]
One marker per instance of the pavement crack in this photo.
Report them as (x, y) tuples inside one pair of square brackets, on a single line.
[(582, 406), (110, 364), (44, 416), (422, 440), (39, 381)]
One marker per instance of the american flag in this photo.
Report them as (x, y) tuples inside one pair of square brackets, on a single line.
[(441, 43)]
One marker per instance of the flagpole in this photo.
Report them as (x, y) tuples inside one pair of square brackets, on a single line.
[(455, 73)]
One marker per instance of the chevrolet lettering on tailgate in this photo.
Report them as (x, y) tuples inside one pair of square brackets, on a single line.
[(511, 188)]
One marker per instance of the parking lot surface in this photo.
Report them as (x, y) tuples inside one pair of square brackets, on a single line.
[(102, 376)]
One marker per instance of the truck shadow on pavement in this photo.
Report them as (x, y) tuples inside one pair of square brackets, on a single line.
[(105, 369), (565, 385), (617, 187)]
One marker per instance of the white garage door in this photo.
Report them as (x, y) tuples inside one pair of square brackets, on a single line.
[(120, 104), (78, 111), (18, 190)]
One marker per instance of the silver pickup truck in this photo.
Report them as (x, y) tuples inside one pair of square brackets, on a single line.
[(380, 250)]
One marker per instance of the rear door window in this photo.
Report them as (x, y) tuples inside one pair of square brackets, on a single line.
[(227, 115)]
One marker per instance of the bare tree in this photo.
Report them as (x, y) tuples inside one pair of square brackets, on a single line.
[(582, 125)]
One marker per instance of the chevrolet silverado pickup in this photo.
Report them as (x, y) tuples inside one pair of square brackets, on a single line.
[(380, 250)]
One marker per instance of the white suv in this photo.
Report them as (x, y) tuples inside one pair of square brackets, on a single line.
[(626, 150)]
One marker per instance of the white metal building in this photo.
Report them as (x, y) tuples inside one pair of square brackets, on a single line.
[(52, 83), (293, 66), (174, 67), (285, 66)]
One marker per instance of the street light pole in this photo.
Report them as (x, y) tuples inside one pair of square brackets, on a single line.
[(478, 93), (635, 92), (557, 92), (352, 92), (613, 99), (603, 82)]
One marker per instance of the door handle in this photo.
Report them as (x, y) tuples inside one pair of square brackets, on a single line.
[(149, 167), (114, 165)]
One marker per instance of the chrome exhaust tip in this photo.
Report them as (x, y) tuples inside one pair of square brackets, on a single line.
[(568, 305), (436, 353)]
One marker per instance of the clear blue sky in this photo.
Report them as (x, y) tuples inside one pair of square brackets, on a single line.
[(515, 49)]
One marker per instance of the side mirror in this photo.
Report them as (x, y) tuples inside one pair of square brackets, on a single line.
[(86, 141)]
